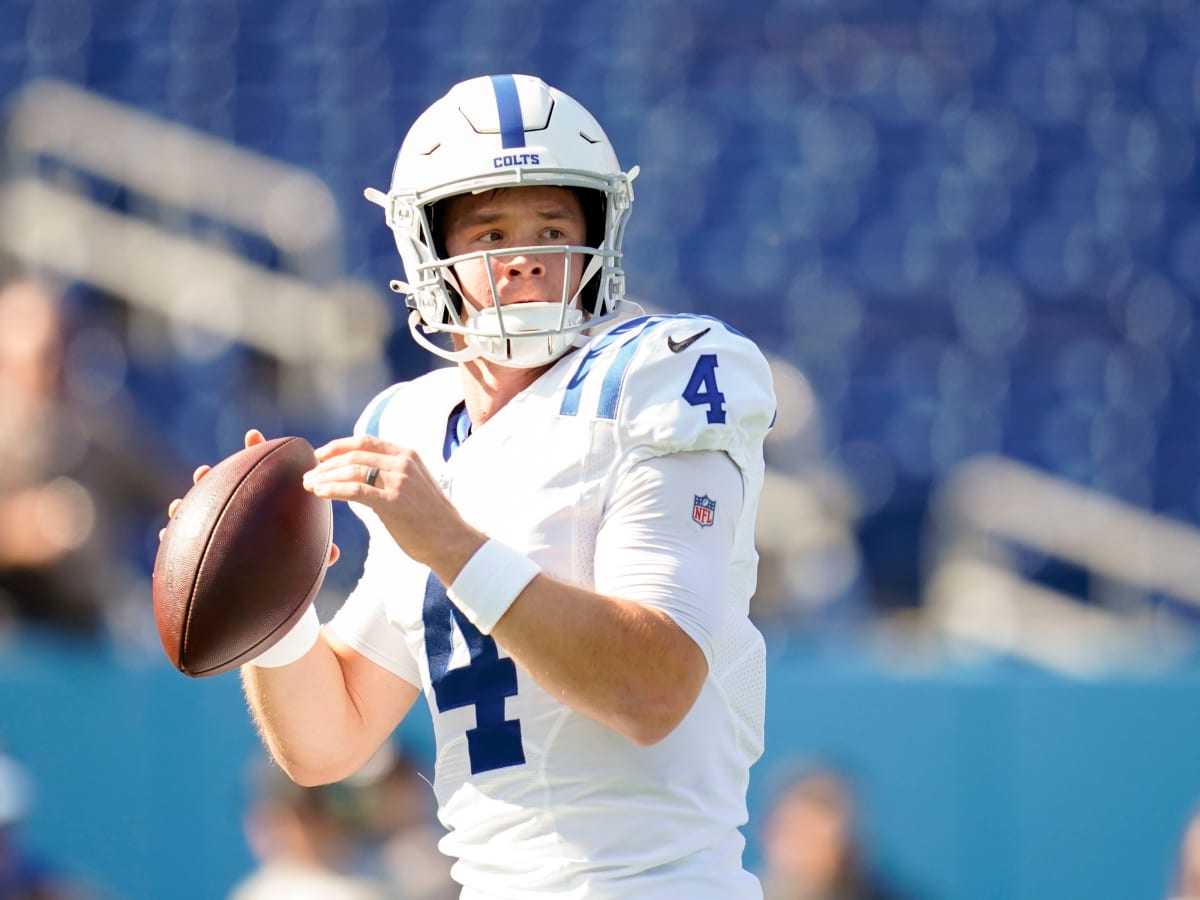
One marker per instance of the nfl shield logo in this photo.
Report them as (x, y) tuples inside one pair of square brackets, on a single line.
[(704, 511)]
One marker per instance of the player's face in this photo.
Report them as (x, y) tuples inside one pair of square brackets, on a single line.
[(515, 217)]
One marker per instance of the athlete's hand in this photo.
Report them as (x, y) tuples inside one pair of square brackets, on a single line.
[(395, 483), (253, 437)]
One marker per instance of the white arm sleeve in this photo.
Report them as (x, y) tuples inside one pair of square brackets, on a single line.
[(652, 549), (362, 622)]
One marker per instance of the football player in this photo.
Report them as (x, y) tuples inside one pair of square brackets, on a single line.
[(561, 531)]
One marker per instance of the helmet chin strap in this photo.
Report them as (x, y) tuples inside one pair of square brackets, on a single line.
[(510, 348), (513, 350), (415, 328)]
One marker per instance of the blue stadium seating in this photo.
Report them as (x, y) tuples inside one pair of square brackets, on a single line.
[(973, 225)]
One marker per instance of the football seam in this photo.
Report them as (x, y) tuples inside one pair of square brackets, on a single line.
[(316, 578), (187, 622)]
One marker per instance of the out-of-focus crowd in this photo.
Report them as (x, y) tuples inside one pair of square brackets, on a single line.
[(81, 476), (373, 837)]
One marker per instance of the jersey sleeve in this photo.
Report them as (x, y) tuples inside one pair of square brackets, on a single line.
[(362, 623), (650, 548), (659, 389), (691, 383)]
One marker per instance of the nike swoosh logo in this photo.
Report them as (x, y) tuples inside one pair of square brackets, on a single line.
[(679, 346)]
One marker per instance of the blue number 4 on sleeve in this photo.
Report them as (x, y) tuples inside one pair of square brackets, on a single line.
[(702, 389)]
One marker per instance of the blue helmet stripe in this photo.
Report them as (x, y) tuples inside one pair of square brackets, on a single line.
[(512, 126)]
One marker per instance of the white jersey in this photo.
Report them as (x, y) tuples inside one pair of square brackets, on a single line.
[(539, 799)]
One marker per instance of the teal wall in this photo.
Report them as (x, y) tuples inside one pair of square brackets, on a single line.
[(990, 781), (978, 781)]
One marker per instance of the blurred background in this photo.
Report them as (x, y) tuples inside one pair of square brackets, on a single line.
[(967, 234)]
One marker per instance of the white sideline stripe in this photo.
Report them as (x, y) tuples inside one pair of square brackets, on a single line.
[(1002, 498), (184, 167), (189, 281)]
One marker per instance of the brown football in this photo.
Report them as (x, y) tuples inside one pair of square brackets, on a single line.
[(242, 558)]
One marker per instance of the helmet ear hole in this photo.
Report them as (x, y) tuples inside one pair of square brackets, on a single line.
[(595, 209), (455, 295), (435, 213)]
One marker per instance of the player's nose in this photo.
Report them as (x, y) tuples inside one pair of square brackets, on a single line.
[(524, 265)]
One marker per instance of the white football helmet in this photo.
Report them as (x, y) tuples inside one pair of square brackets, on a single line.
[(494, 132)]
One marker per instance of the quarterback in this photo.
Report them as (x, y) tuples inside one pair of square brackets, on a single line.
[(561, 532)]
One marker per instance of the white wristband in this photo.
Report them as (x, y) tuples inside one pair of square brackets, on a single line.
[(490, 582), (299, 639)]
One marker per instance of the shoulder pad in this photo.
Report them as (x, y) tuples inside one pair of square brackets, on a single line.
[(675, 383)]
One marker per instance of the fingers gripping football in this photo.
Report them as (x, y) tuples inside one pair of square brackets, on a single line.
[(253, 438), (395, 483)]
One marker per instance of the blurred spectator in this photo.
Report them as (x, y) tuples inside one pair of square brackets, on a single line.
[(305, 842), (74, 477), (1187, 872), (812, 847), (373, 836), (401, 824), (23, 876)]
